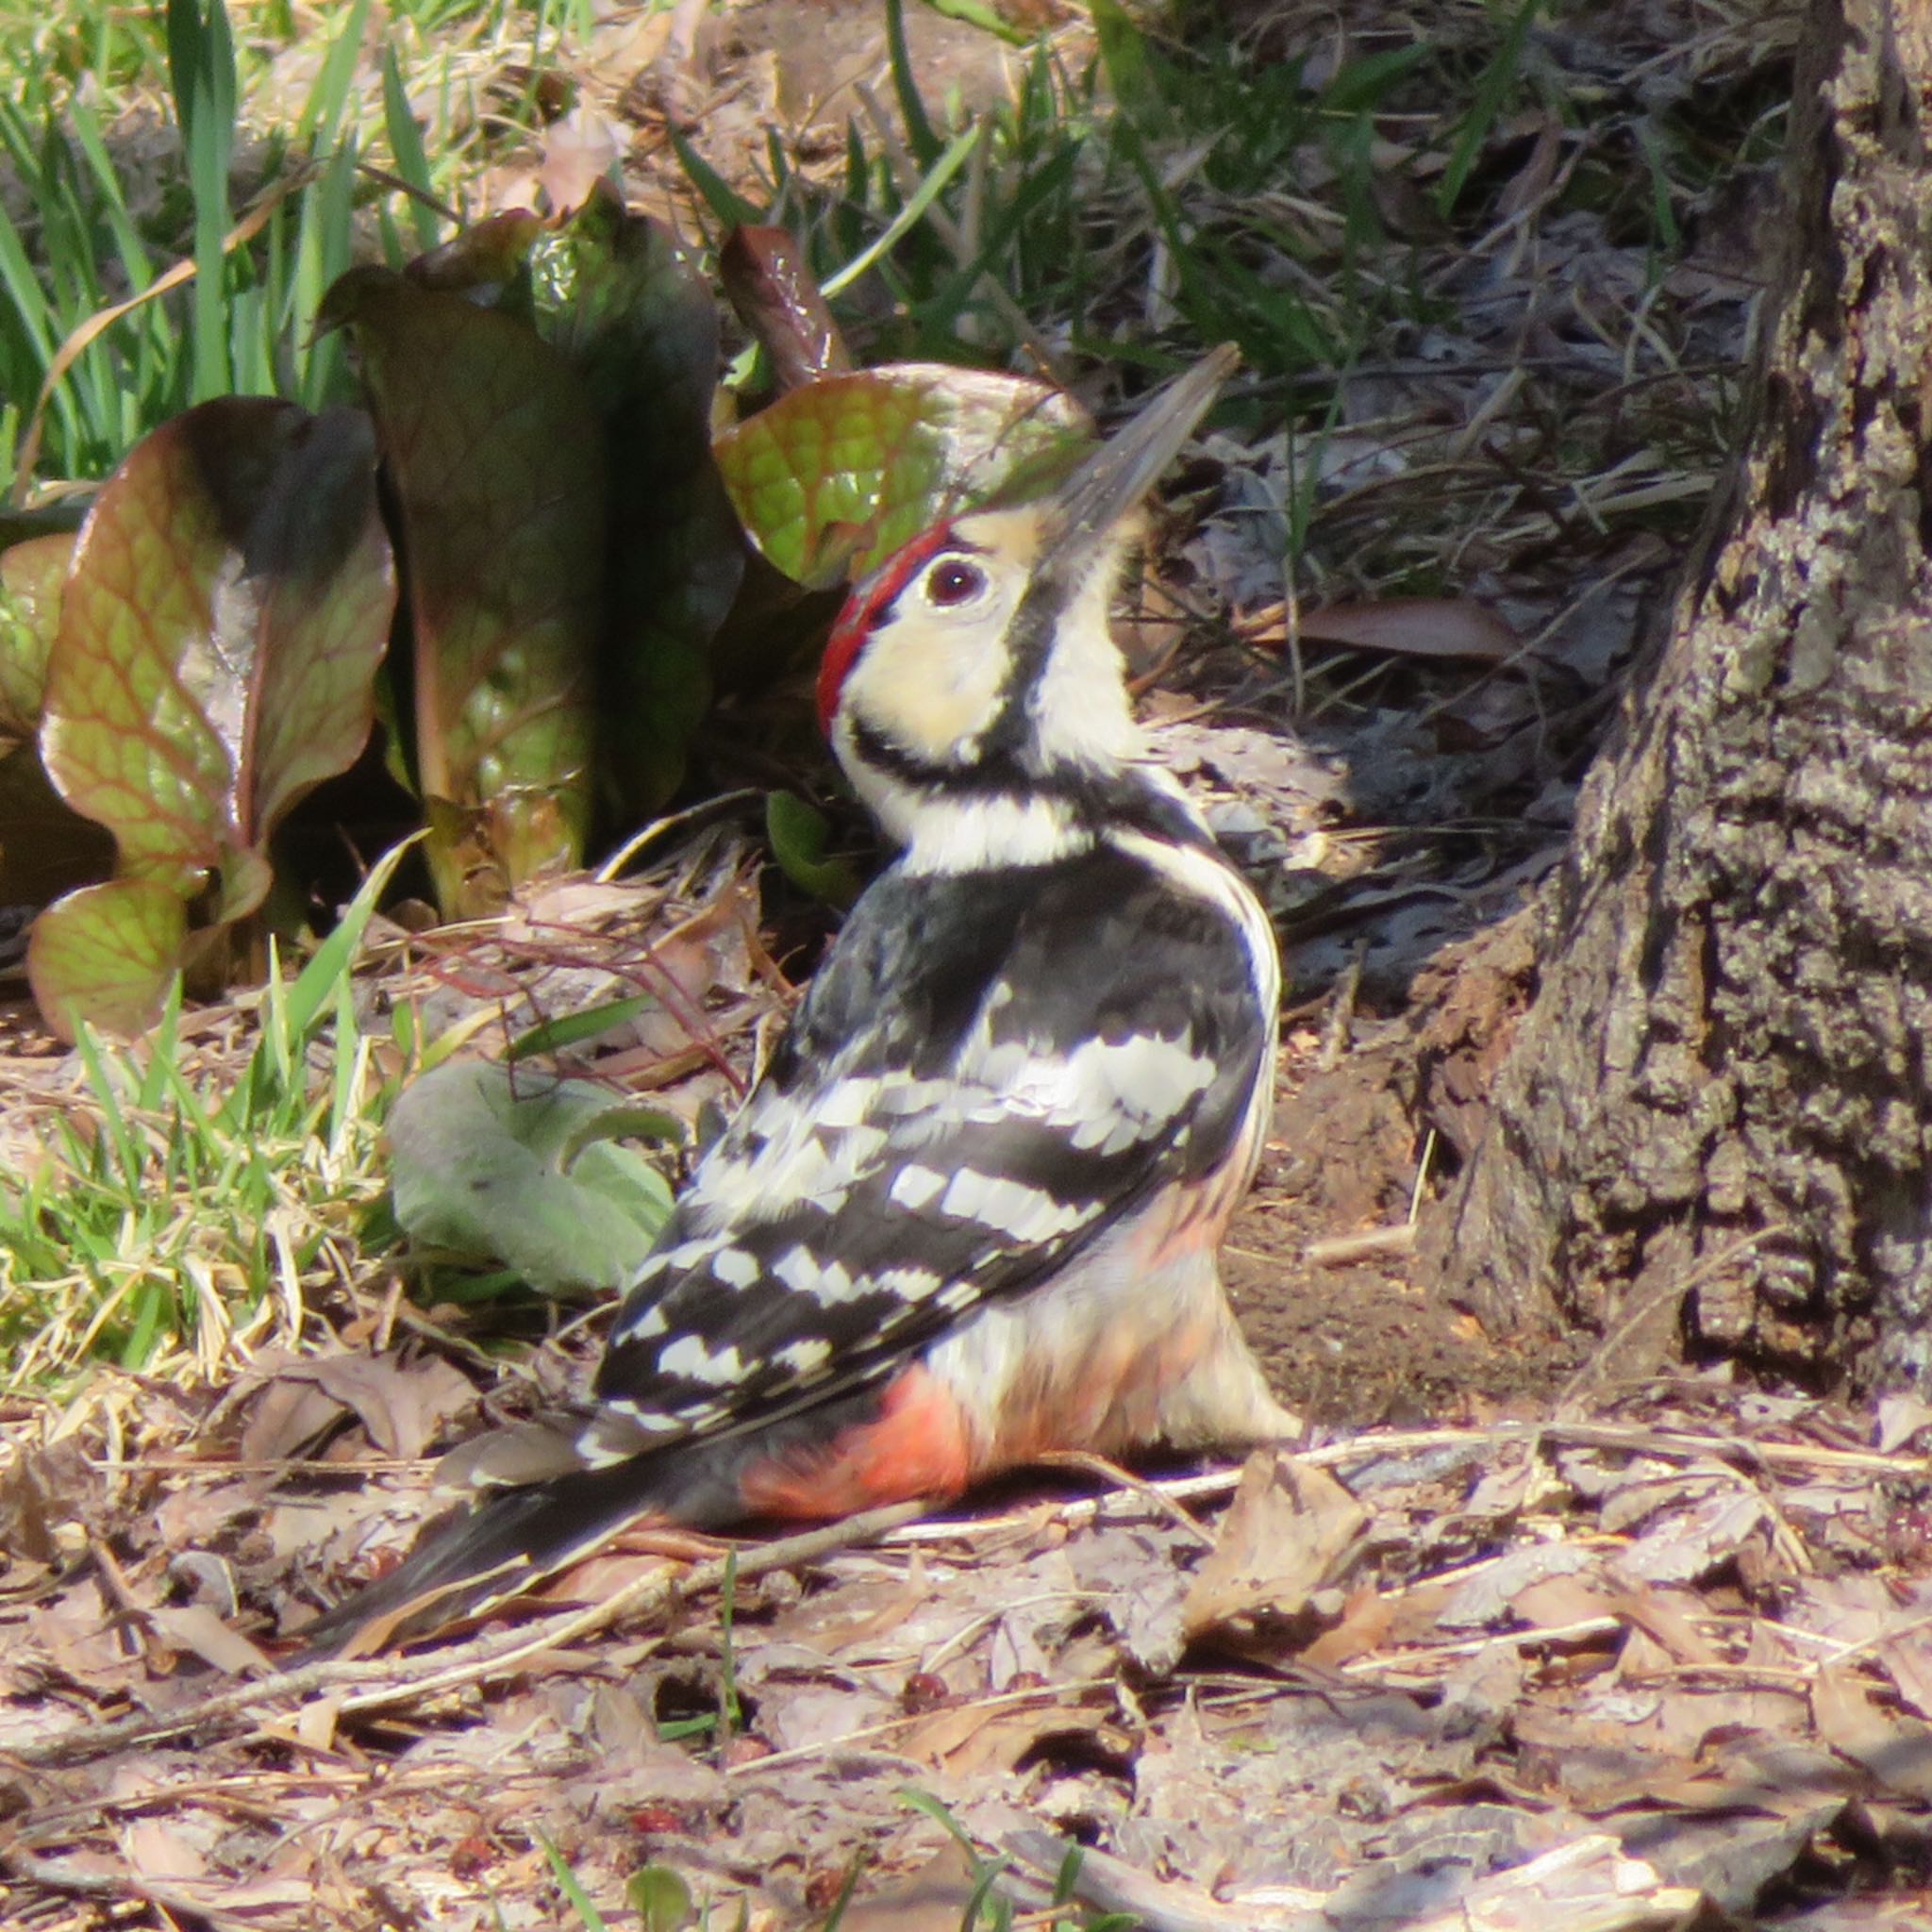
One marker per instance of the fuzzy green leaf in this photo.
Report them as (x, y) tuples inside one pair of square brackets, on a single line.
[(799, 835), (521, 1169), (660, 1899), (835, 477), (496, 455)]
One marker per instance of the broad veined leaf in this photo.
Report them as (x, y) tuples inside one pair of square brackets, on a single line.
[(497, 459), (226, 606), (835, 477), (31, 574), (514, 1166), (617, 296), (106, 954)]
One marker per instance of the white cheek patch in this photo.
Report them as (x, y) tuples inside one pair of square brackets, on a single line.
[(1080, 707), (930, 687)]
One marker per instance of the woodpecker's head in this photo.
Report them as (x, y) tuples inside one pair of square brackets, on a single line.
[(972, 689)]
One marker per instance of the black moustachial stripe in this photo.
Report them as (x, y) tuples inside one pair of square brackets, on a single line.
[(1096, 799)]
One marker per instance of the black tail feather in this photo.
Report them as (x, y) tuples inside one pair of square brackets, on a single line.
[(486, 1552), (509, 1538)]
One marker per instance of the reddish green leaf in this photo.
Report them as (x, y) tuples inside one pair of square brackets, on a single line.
[(107, 955), (30, 579), (228, 604), (769, 285), (617, 296), (496, 457), (835, 477)]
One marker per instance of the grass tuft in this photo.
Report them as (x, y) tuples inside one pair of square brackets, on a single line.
[(184, 1217)]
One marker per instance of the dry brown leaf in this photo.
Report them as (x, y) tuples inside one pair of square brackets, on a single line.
[(1416, 627), (853, 1616), (197, 1628), (284, 1415), (1292, 1530), (1900, 1418), (1896, 1749), (1906, 1659), (968, 1742), (1559, 1600), (1658, 1613), (1486, 1598), (1588, 1885), (1366, 1619), (35, 1487), (401, 1406), (200, 1514), (1114, 1885), (1689, 1544), (579, 150), (155, 1848), (932, 1899)]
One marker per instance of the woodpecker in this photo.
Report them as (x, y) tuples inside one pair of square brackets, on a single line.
[(970, 1213)]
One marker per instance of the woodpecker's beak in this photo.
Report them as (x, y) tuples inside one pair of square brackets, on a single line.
[(1108, 486)]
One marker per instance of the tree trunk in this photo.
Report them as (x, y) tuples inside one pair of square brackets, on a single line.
[(1714, 1127)]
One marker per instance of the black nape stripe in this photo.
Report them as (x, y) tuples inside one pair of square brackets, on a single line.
[(1096, 800)]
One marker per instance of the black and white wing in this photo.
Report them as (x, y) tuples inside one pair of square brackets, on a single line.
[(989, 1071)]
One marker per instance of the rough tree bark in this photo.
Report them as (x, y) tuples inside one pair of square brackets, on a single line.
[(1714, 1126)]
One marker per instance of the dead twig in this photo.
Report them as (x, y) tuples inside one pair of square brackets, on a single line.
[(381, 1682)]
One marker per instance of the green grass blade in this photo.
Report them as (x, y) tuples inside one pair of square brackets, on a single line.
[(942, 169), (328, 99), (579, 1900), (405, 147), (323, 248), (136, 262), (201, 63), (920, 137), (1498, 79), (725, 201)]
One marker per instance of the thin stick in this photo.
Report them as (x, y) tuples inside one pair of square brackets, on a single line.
[(393, 1680)]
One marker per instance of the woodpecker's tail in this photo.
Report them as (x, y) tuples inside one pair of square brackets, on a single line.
[(860, 1447), (487, 1551)]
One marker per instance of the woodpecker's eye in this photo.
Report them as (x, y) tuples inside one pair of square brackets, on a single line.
[(953, 580)]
